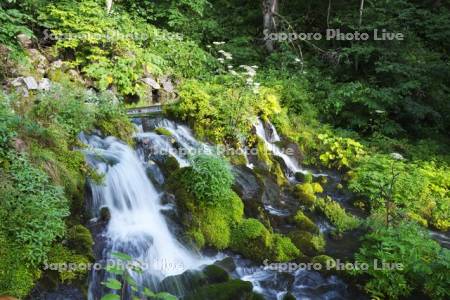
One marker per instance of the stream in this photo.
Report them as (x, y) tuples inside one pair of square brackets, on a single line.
[(139, 224)]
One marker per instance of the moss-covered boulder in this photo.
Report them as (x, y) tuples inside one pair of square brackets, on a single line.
[(187, 281), (308, 243), (254, 241), (288, 296), (306, 192), (324, 260), (302, 222), (215, 274), (169, 165), (163, 131), (233, 289), (251, 239)]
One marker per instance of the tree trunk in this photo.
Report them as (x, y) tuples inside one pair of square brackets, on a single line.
[(109, 4), (270, 8)]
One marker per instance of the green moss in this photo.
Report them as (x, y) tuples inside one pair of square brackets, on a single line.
[(215, 274), (80, 240), (197, 238), (305, 193), (233, 289), (163, 131), (317, 188), (169, 166), (324, 260), (251, 239), (283, 249), (337, 215), (304, 223), (263, 153), (308, 243), (215, 228), (62, 256)]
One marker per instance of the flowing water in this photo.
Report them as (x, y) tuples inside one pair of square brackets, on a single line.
[(139, 228)]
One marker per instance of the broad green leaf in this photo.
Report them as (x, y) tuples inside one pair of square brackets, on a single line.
[(113, 284), (110, 297)]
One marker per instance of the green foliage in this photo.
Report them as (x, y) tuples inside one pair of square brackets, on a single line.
[(424, 263), (225, 109), (209, 179), (337, 215), (421, 189), (339, 152), (119, 49), (73, 265), (306, 192), (124, 279), (14, 22)]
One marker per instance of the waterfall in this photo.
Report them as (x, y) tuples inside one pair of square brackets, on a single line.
[(270, 139), (137, 226)]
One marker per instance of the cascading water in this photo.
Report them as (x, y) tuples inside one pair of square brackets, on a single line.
[(137, 226), (270, 140)]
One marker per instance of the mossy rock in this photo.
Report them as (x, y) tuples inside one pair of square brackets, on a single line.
[(251, 239), (308, 243), (169, 166), (283, 249), (305, 194), (304, 177), (187, 281), (288, 296), (105, 214), (302, 222), (233, 289), (163, 131), (317, 188), (215, 274), (324, 260), (80, 240)]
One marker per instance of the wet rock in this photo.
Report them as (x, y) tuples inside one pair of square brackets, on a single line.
[(288, 296), (154, 173), (105, 214), (215, 274), (245, 183), (187, 281), (233, 289), (169, 165), (227, 264)]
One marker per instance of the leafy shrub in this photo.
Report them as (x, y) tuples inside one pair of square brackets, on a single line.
[(223, 110), (420, 189), (424, 263), (119, 49), (339, 152), (209, 179), (62, 256)]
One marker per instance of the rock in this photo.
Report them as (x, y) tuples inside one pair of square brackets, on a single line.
[(24, 40), (44, 84), (16, 82), (227, 264), (105, 214), (75, 75), (154, 173), (19, 145), (288, 296), (233, 289), (245, 183), (215, 274), (169, 165), (187, 281), (303, 177), (167, 85), (30, 83), (151, 82), (56, 64), (38, 60)]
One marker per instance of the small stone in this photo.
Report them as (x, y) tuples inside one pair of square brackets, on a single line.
[(151, 82), (31, 83), (45, 84), (24, 40), (168, 85)]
